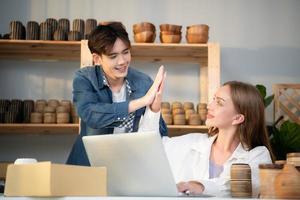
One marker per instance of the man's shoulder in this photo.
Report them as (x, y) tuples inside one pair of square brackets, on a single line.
[(137, 75), (85, 71)]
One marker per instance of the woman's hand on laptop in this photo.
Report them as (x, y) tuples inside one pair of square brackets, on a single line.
[(190, 187)]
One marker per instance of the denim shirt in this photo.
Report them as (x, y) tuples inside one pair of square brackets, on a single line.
[(98, 113)]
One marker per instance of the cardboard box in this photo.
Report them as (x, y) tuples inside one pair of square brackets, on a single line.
[(3, 168), (47, 179)]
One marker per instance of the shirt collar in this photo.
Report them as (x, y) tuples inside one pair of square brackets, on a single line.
[(204, 148), (102, 81), (239, 152)]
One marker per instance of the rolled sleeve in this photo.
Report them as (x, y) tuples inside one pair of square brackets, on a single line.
[(149, 121)]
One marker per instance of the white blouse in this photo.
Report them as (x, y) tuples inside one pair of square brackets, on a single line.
[(189, 160)]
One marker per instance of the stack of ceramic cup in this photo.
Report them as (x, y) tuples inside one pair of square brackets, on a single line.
[(74, 115), (36, 117), (53, 23), (4, 103), (178, 113), (144, 32), (17, 30), (46, 31), (50, 111), (170, 33), (32, 31), (27, 110), (197, 33), (63, 112), (90, 25), (64, 24), (14, 112), (192, 118), (183, 113), (202, 111), (62, 30), (240, 180), (77, 32), (166, 113), (53, 111)]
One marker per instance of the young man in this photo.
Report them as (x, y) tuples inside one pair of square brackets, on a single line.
[(111, 97)]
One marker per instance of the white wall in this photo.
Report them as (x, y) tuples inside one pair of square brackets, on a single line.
[(259, 41)]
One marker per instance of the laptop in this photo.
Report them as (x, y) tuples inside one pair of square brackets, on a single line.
[(136, 163)]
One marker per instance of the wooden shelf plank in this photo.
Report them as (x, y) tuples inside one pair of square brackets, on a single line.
[(73, 129), (176, 130), (69, 129), (170, 52), (37, 49), (70, 50)]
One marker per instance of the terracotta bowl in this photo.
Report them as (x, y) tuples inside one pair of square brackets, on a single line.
[(196, 38), (170, 27), (197, 29), (170, 33), (170, 38), (143, 26), (144, 37)]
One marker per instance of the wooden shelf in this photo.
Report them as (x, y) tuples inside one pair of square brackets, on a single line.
[(73, 129), (69, 129), (39, 50), (176, 130), (70, 50), (171, 52)]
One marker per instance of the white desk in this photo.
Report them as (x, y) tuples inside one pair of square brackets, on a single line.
[(115, 198)]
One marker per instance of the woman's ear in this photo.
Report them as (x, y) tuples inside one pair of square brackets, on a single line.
[(238, 119), (96, 59)]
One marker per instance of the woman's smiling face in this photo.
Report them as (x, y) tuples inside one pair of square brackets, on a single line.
[(221, 111)]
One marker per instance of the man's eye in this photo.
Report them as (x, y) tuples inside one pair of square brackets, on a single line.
[(112, 56), (126, 52)]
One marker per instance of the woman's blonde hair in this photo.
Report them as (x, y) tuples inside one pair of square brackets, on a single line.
[(248, 101)]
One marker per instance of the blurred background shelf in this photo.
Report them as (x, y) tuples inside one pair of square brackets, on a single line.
[(39, 129), (39, 50), (73, 129), (206, 55), (70, 50), (176, 130)]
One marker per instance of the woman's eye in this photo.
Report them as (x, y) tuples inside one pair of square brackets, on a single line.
[(112, 57), (219, 102), (126, 52)]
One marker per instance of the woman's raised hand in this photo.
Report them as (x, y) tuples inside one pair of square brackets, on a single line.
[(154, 89), (156, 104), (154, 95)]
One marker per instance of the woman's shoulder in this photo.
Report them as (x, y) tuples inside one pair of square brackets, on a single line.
[(260, 152)]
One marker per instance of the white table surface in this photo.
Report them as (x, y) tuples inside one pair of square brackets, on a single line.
[(114, 198)]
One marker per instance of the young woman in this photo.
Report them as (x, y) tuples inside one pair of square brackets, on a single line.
[(201, 162), (111, 97)]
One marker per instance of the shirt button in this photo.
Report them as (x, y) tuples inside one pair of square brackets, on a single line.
[(124, 118), (118, 118)]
